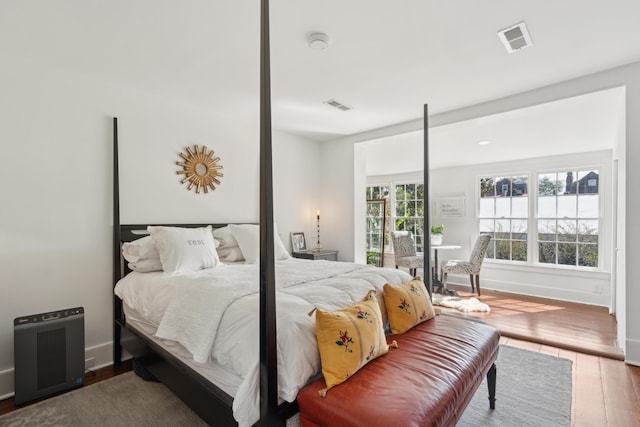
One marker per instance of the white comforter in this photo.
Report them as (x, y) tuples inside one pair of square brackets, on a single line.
[(214, 314)]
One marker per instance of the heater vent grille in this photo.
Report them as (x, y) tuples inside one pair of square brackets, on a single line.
[(515, 37), (338, 105)]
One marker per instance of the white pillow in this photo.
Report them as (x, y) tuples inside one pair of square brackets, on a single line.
[(146, 265), (143, 248), (225, 237), (183, 250), (248, 237), (230, 254)]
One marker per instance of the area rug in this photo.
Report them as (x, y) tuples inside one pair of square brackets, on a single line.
[(533, 390), (461, 304)]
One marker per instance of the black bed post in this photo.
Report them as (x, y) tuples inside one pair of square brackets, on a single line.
[(427, 216), (117, 303), (268, 341)]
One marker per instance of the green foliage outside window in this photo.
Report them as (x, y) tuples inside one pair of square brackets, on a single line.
[(410, 211), (377, 233)]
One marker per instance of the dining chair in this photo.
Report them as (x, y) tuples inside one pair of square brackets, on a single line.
[(471, 267), (404, 251)]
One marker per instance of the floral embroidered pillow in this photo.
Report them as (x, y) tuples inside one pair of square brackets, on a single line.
[(349, 338), (407, 305)]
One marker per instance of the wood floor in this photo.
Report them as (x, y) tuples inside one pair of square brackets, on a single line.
[(606, 391), (572, 326)]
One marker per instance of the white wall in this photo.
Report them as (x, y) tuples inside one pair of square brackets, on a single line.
[(619, 243), (56, 187), (338, 217), (628, 76), (552, 282)]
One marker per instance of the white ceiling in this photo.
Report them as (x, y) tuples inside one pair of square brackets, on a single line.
[(590, 122), (386, 59)]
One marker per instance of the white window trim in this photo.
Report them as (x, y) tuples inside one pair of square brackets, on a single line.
[(510, 175), (596, 160), (391, 181)]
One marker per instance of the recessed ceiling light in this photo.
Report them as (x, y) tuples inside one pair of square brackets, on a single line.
[(484, 142)]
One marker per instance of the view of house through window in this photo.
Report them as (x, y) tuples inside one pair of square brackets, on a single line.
[(567, 215), (504, 212)]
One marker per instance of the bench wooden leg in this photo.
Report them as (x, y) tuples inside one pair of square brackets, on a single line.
[(491, 382)]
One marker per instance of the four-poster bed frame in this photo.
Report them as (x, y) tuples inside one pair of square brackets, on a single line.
[(206, 399)]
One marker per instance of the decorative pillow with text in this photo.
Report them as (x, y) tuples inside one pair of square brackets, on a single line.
[(184, 250)]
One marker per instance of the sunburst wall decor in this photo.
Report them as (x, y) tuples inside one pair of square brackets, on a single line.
[(200, 169)]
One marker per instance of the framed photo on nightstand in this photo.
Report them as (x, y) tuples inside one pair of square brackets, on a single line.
[(298, 242)]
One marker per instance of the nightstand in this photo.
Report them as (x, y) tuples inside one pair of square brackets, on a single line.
[(315, 254)]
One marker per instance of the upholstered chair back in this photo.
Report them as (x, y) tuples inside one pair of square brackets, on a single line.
[(403, 244), (479, 251)]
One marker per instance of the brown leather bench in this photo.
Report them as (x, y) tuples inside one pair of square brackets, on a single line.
[(427, 381)]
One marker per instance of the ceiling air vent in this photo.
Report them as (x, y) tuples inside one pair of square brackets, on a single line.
[(338, 105), (515, 37)]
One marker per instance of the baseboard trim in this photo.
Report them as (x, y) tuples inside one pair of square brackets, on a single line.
[(6, 384), (534, 290), (102, 353), (632, 348)]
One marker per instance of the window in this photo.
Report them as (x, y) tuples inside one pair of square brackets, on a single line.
[(408, 212), (377, 231), (504, 213), (378, 192), (563, 225), (404, 209), (568, 218)]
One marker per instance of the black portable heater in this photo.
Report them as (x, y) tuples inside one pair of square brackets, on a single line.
[(48, 353)]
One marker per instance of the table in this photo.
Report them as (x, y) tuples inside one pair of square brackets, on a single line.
[(327, 254), (436, 271)]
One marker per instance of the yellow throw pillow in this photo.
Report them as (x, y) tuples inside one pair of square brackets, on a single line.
[(349, 338), (407, 305)]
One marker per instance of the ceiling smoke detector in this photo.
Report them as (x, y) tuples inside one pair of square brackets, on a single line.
[(338, 105), (515, 37), (318, 41)]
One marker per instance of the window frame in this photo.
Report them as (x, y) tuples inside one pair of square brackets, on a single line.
[(417, 238), (391, 208), (510, 218), (533, 171), (600, 219)]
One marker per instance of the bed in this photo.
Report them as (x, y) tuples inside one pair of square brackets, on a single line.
[(209, 391), (208, 319)]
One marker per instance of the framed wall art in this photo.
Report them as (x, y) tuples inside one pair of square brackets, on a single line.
[(298, 242), (451, 206)]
